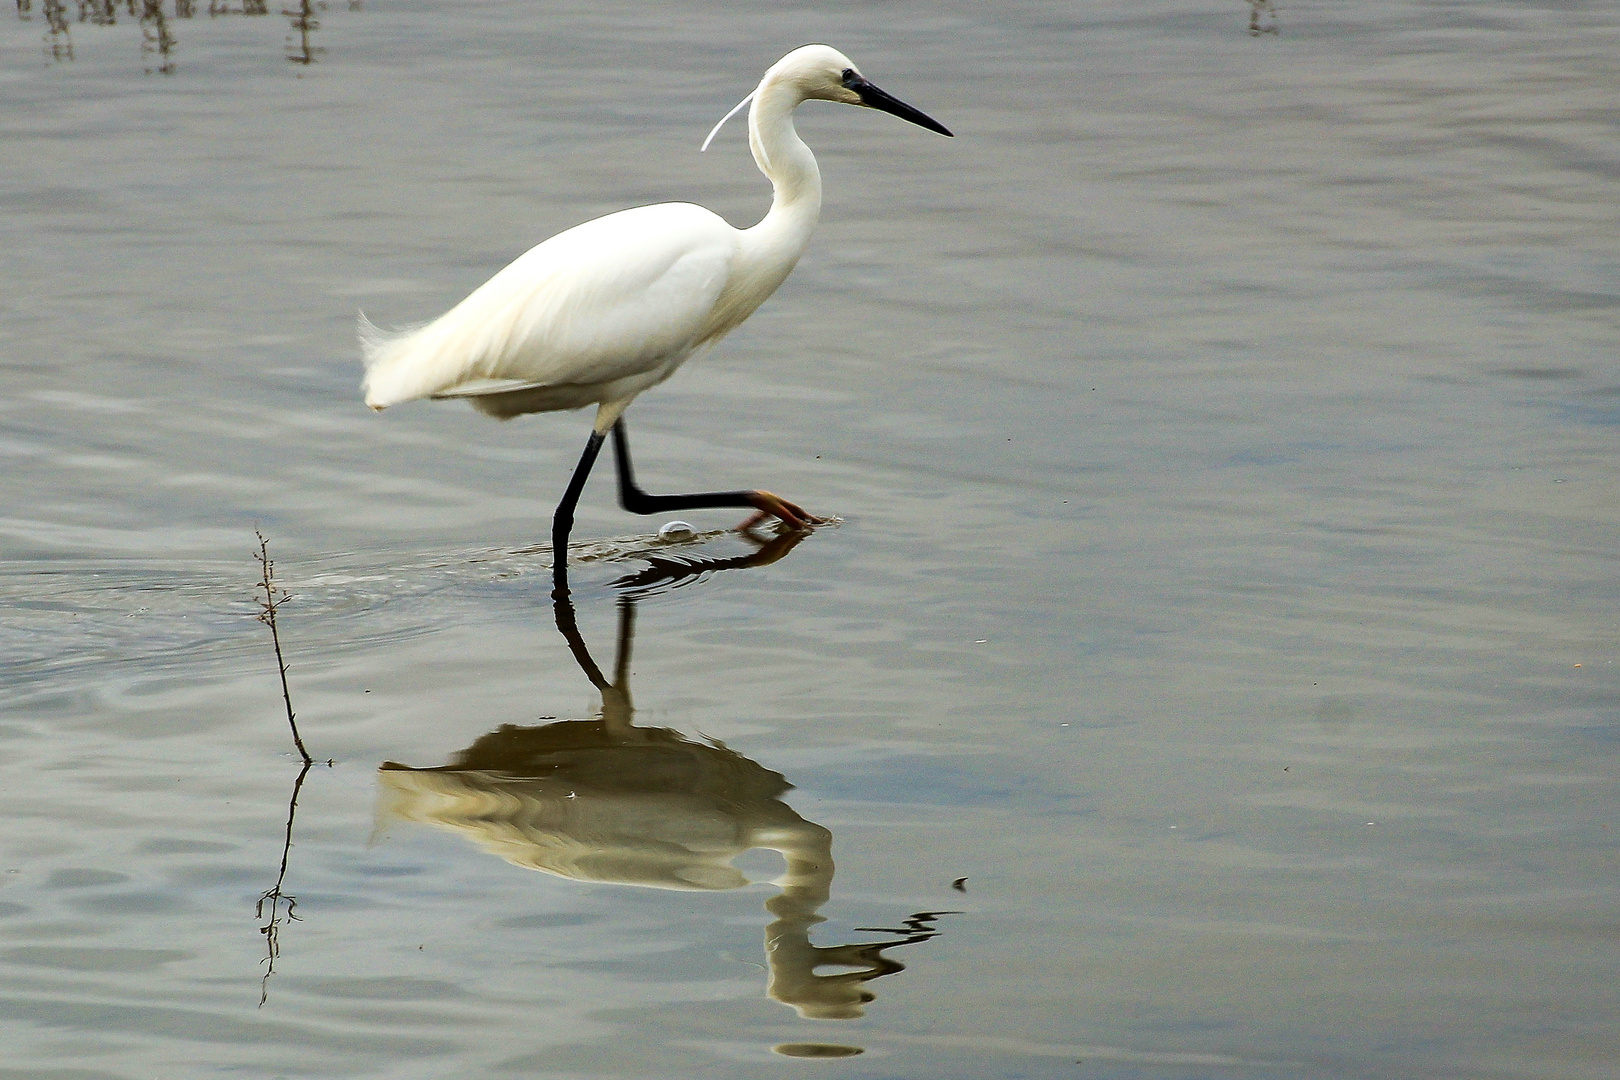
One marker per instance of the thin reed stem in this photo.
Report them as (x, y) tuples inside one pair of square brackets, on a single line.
[(273, 599)]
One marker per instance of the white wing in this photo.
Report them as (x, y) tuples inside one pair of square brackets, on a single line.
[(612, 298)]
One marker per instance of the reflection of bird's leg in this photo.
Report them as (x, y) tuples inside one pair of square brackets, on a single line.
[(617, 709), (568, 624), (626, 639), (768, 549), (637, 501), (666, 570), (562, 521)]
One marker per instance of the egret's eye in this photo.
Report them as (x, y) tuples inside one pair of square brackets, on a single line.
[(850, 78)]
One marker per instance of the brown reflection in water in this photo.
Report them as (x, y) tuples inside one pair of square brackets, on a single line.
[(99, 12), (1262, 17), (157, 30), (817, 1050), (602, 800), (155, 36), (299, 48), (58, 44)]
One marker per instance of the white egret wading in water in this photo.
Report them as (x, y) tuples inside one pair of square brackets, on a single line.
[(607, 309)]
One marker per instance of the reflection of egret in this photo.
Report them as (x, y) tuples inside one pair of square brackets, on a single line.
[(605, 310), (605, 801), (673, 569)]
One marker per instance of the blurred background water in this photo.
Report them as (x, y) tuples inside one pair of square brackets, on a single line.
[(1222, 427)]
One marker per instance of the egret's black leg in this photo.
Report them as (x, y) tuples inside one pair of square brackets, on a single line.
[(633, 499), (637, 501), (562, 522)]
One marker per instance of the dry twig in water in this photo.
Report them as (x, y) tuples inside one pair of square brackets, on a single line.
[(282, 906), (273, 599)]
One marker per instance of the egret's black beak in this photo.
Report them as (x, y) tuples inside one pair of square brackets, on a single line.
[(873, 98)]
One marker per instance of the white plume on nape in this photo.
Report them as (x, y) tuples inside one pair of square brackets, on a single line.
[(734, 111)]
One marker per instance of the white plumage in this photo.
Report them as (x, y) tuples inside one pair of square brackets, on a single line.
[(573, 321), (607, 309)]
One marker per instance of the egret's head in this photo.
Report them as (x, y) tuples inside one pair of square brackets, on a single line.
[(818, 72), (822, 73)]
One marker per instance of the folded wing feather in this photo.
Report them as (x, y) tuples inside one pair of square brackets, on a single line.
[(613, 298)]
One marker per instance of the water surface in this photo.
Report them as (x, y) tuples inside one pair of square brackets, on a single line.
[(1222, 431)]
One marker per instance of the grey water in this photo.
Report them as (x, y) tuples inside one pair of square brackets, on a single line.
[(1212, 672)]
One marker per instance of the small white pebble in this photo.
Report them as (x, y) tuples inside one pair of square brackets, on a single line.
[(675, 530), (1372, 822)]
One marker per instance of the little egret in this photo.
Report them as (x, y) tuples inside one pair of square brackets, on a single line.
[(607, 309)]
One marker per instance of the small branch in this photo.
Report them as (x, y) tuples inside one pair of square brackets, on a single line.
[(273, 599)]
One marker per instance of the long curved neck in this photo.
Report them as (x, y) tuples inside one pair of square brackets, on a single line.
[(796, 181)]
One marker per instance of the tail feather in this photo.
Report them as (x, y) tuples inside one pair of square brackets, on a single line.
[(373, 343), (372, 340), (385, 354)]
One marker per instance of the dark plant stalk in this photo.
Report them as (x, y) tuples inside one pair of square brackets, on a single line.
[(273, 599)]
